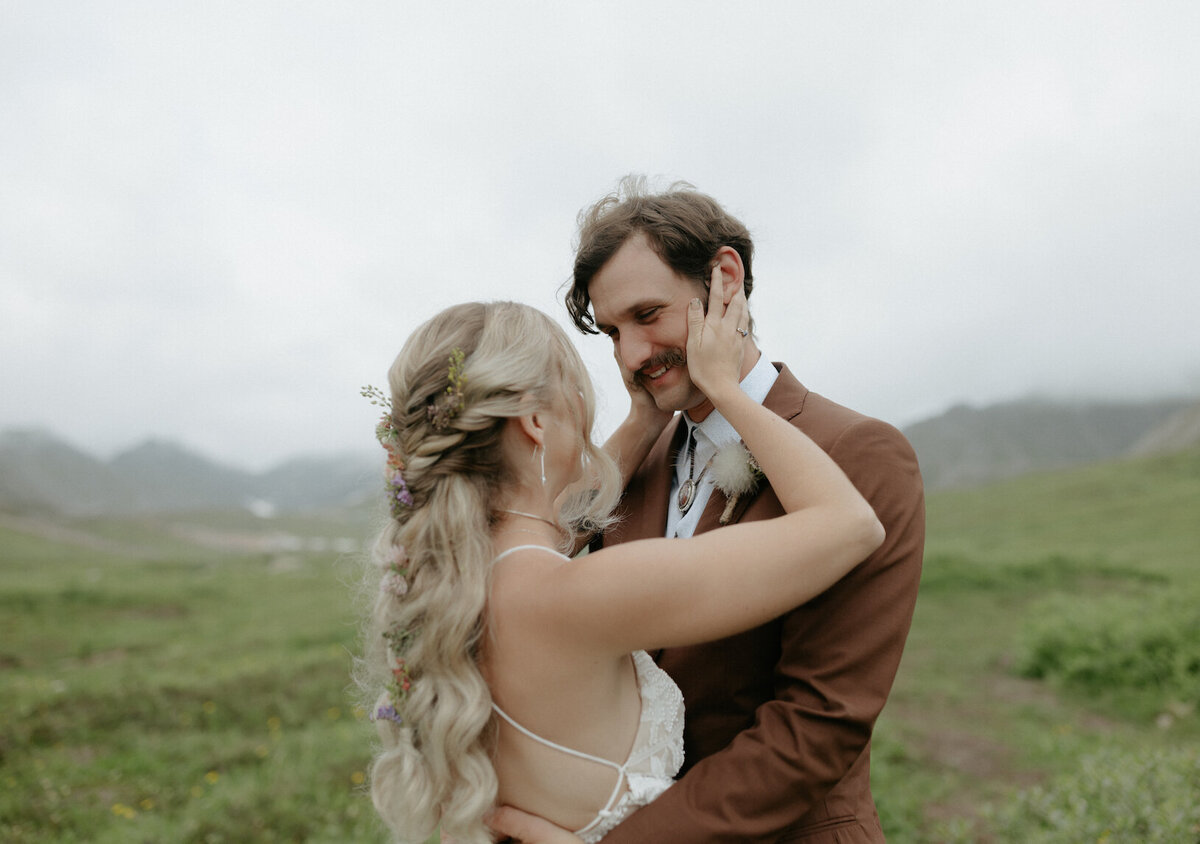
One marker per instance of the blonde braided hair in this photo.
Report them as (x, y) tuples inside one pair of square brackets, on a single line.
[(434, 768)]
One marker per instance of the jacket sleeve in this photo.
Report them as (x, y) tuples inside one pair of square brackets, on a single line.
[(839, 655)]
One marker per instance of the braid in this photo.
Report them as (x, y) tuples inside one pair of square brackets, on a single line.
[(422, 641)]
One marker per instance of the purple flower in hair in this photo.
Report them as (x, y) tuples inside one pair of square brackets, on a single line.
[(401, 489), (387, 712)]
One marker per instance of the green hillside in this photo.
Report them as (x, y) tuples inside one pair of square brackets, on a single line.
[(1050, 685), (1144, 513), (175, 680)]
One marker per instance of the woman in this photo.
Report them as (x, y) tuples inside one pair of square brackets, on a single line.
[(506, 666)]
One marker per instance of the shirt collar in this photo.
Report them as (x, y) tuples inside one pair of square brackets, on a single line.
[(715, 427)]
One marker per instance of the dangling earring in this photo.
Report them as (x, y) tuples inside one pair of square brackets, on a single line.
[(543, 462)]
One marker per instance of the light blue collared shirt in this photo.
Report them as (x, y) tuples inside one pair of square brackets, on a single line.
[(711, 434)]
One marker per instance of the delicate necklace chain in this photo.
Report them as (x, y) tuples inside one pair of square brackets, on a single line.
[(536, 533), (531, 516)]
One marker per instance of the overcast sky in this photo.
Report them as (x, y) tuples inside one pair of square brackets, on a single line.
[(219, 220)]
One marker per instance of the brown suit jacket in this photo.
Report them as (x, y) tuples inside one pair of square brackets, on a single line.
[(779, 718)]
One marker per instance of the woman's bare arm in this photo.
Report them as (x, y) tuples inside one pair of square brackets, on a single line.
[(665, 592)]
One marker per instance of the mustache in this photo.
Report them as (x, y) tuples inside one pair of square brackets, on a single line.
[(670, 357)]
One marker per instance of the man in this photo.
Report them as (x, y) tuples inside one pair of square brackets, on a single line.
[(778, 719)]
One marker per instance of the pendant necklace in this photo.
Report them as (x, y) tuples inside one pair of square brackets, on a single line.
[(538, 534), (687, 490)]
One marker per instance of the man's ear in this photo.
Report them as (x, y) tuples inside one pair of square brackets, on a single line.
[(733, 273)]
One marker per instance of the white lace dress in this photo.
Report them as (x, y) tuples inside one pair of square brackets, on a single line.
[(655, 759), (657, 753)]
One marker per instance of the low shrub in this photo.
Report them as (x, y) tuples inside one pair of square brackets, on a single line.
[(1114, 796), (1118, 648), (945, 572)]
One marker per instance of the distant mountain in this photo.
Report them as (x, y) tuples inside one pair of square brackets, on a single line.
[(1179, 431), (339, 480), (967, 446), (40, 472), (167, 476)]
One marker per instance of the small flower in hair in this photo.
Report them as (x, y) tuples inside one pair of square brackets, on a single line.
[(395, 575), (444, 407), (400, 684), (397, 688), (400, 679), (387, 712), (386, 432), (394, 584), (400, 495), (397, 639), (377, 397), (735, 472)]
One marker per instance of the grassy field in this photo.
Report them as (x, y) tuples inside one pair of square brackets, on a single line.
[(155, 689), (984, 739), (187, 679)]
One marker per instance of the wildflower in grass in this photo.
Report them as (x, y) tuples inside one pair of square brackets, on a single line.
[(273, 723), (123, 811), (147, 804), (211, 777), (261, 751), (358, 778), (197, 791), (333, 713), (209, 707)]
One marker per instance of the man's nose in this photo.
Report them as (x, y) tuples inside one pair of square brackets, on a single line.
[(635, 350)]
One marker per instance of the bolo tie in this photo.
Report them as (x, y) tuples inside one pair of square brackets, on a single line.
[(687, 490)]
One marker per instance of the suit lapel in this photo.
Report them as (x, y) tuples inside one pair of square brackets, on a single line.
[(644, 507), (658, 483), (785, 398), (787, 395)]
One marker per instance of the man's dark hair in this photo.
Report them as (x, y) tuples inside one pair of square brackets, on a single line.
[(685, 227)]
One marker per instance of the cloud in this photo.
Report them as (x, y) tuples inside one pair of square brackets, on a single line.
[(220, 220)]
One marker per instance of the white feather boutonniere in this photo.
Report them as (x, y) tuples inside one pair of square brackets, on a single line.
[(735, 472)]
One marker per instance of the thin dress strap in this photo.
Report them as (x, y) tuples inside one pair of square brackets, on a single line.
[(554, 746), (578, 754), (504, 554)]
